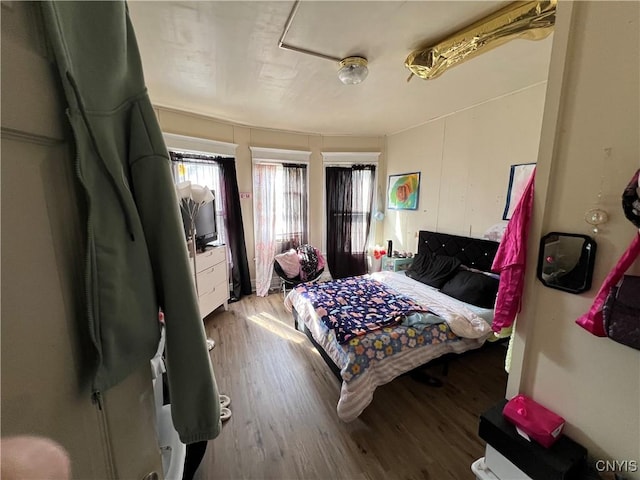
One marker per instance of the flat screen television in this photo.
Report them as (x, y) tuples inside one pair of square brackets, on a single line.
[(205, 223)]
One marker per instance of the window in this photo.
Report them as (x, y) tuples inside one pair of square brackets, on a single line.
[(281, 190), (202, 170), (279, 207), (350, 185), (349, 202), (291, 205)]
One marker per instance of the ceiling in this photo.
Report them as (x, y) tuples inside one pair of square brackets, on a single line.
[(222, 59)]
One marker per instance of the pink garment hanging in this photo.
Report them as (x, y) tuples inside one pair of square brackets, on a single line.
[(592, 320), (511, 259)]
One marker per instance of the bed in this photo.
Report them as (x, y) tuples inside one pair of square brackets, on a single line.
[(376, 327)]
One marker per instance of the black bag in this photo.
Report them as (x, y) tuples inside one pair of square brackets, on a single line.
[(631, 200), (621, 312)]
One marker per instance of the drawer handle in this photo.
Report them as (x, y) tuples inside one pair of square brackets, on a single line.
[(209, 270)]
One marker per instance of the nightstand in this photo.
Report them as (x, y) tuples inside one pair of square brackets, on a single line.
[(396, 264)]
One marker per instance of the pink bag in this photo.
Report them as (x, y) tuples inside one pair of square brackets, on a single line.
[(538, 422), (592, 321)]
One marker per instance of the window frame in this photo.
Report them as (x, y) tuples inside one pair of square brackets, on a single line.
[(279, 156), (201, 146), (349, 159)]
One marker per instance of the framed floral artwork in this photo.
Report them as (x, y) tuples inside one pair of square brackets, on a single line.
[(403, 191)]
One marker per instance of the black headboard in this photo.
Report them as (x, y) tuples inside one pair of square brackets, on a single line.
[(472, 252)]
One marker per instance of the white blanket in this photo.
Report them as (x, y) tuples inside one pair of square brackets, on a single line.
[(461, 319)]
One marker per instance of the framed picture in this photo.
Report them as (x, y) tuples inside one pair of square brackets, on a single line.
[(518, 178), (403, 191)]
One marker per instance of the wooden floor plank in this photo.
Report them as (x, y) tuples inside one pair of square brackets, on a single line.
[(284, 423)]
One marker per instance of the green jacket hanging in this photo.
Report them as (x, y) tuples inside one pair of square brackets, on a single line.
[(136, 254)]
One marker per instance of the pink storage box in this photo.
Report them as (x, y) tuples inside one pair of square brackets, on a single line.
[(536, 421)]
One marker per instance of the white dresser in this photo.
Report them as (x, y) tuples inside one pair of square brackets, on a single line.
[(212, 279)]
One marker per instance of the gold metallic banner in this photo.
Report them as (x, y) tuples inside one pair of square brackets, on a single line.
[(528, 20)]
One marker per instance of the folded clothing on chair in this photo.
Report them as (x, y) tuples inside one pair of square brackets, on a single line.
[(290, 263)]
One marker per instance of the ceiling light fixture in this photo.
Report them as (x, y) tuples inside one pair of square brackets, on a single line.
[(353, 70)]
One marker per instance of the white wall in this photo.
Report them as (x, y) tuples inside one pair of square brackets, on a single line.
[(464, 160), (586, 162)]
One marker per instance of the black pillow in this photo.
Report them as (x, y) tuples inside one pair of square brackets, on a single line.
[(432, 270), (420, 263), (472, 287)]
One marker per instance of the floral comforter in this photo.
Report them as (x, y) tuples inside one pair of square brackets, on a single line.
[(355, 306), (388, 341)]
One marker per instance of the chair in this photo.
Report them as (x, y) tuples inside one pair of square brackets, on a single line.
[(310, 262)]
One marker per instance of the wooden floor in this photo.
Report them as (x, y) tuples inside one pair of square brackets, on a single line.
[(284, 423)]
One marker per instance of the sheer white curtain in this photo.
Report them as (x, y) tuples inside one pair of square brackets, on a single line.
[(363, 182), (264, 191)]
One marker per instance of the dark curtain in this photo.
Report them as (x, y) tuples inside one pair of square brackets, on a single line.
[(294, 214), (235, 229), (349, 195)]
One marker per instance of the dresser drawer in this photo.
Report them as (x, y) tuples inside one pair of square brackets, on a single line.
[(211, 278), (210, 258), (213, 299)]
